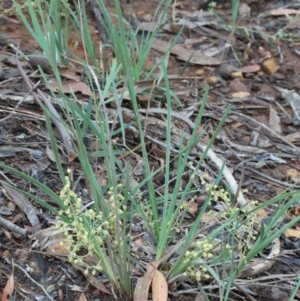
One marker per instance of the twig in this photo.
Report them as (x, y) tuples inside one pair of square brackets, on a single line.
[(14, 110), (100, 24), (264, 128), (270, 179), (262, 265), (12, 227), (66, 137)]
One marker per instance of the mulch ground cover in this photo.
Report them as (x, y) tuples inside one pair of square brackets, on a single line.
[(255, 69)]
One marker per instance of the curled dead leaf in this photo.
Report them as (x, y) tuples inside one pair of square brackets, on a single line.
[(159, 287), (8, 289), (143, 284)]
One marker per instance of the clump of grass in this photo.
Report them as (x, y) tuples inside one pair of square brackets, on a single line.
[(98, 230), (87, 232)]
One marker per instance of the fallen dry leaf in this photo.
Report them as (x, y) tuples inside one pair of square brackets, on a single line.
[(293, 24), (292, 233), (8, 289), (69, 73), (96, 282), (7, 234), (250, 68), (55, 241), (236, 85), (209, 219), (73, 87), (188, 55), (143, 284), (295, 211), (159, 287)]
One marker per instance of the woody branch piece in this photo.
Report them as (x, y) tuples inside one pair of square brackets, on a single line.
[(43, 100)]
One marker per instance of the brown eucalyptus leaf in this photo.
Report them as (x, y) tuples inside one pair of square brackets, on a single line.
[(8, 289), (72, 87), (69, 73), (188, 55), (25, 205), (143, 284), (159, 287)]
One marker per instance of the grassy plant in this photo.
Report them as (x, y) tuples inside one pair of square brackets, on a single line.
[(98, 230), (234, 14), (295, 290)]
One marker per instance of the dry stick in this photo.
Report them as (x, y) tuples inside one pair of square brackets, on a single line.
[(23, 113), (66, 137), (99, 20), (261, 265), (266, 128), (23, 99), (14, 110), (263, 279), (12, 227), (269, 179), (104, 39)]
